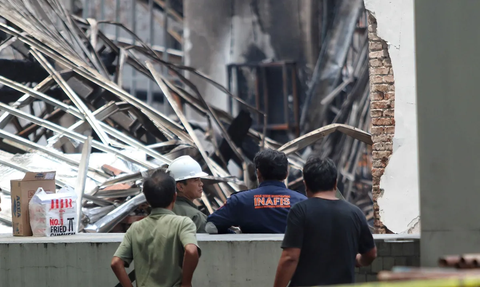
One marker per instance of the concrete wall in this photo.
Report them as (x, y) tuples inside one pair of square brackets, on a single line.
[(447, 93), (398, 194), (218, 32), (227, 260), (393, 250)]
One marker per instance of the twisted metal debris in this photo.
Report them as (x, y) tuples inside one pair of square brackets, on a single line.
[(80, 103)]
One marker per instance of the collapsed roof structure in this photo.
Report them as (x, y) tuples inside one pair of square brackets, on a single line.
[(76, 99)]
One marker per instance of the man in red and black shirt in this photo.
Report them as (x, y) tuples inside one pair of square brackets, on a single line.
[(260, 210)]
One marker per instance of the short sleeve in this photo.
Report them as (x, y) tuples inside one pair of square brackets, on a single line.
[(295, 228), (125, 250), (188, 233), (225, 217), (200, 220), (365, 242)]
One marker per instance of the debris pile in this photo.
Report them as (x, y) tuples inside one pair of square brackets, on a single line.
[(429, 274), (76, 102), (465, 261), (450, 266)]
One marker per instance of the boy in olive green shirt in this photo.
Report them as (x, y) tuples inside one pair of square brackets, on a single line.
[(163, 245)]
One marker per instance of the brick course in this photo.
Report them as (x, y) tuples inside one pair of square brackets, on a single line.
[(382, 96), (390, 254)]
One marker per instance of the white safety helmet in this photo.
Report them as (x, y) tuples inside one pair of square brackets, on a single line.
[(185, 167)]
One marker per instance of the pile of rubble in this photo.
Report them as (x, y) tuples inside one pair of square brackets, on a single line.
[(80, 103), (450, 267)]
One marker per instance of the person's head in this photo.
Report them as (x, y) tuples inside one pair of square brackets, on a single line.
[(159, 190), (187, 172), (271, 165), (320, 175), (191, 188)]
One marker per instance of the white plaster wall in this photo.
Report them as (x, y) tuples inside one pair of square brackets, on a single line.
[(399, 203)]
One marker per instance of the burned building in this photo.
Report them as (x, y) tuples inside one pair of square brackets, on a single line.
[(82, 105)]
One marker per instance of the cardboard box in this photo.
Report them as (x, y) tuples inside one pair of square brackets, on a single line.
[(22, 190)]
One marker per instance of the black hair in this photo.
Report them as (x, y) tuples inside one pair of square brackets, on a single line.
[(159, 189), (272, 164), (320, 174), (183, 182)]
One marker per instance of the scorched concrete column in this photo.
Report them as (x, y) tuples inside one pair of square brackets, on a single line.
[(207, 37), (448, 69)]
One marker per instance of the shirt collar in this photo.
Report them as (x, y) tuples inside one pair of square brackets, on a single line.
[(158, 210), (272, 182), (188, 201)]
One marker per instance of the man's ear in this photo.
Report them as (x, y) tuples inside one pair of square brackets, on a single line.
[(175, 197), (259, 174), (307, 191), (335, 186), (179, 186)]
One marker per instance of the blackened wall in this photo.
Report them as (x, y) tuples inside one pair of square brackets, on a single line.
[(219, 32)]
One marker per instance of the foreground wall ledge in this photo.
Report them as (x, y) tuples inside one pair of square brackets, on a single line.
[(7, 238), (235, 260)]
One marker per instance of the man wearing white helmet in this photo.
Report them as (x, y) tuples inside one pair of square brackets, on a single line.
[(187, 172)]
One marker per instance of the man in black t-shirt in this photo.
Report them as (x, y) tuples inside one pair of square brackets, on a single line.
[(325, 237)]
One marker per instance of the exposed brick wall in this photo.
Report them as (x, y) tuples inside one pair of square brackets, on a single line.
[(382, 96)]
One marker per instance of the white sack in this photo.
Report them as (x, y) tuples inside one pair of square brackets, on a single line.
[(53, 214)]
